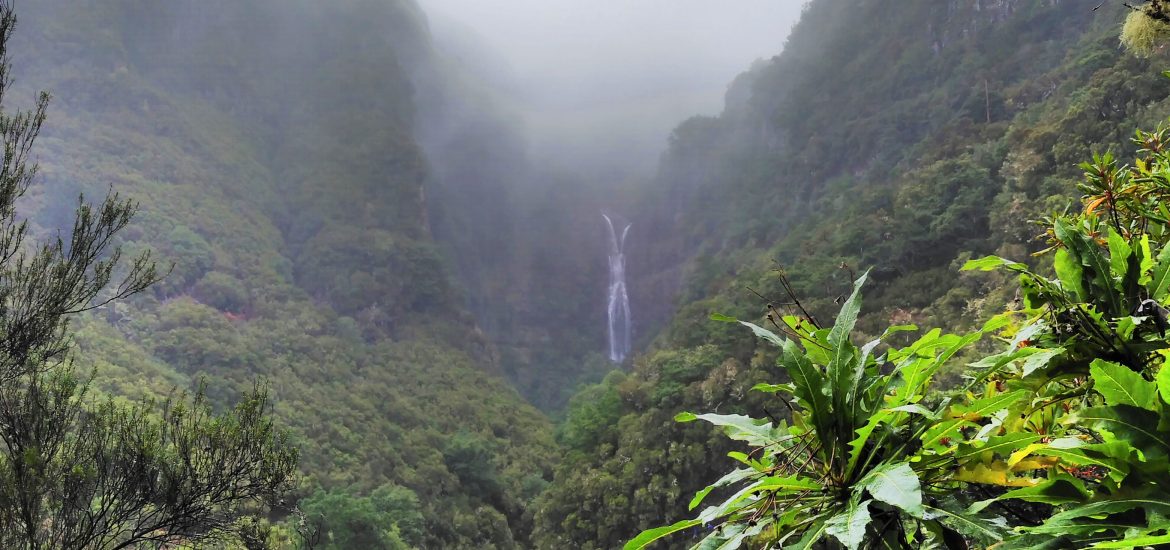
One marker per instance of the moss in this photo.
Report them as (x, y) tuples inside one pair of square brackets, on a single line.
[(1143, 35)]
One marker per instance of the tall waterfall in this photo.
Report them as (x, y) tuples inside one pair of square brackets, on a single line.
[(619, 301)]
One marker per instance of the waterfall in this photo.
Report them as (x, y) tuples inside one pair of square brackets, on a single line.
[(618, 302)]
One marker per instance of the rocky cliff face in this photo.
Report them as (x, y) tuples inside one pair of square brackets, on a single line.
[(957, 20)]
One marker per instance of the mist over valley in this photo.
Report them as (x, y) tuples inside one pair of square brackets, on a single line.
[(568, 274)]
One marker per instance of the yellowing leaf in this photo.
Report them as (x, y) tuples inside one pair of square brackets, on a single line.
[(997, 473)]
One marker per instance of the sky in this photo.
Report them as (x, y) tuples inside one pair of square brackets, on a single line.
[(629, 70)]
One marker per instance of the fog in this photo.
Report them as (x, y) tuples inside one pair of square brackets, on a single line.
[(601, 84)]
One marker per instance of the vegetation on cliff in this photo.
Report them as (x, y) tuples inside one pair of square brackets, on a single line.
[(271, 148), (1057, 439), (908, 147)]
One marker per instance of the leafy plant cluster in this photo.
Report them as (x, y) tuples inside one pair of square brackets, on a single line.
[(1061, 439)]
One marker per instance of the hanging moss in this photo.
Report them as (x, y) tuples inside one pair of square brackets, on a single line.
[(1144, 34)]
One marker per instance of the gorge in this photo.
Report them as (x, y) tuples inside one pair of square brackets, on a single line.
[(364, 210)]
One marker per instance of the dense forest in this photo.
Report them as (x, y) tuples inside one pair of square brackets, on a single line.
[(347, 216), (902, 140), (273, 158)]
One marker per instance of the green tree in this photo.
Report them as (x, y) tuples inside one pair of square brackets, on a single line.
[(78, 472), (389, 518)]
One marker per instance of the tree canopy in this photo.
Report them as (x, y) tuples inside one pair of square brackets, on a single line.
[(76, 470)]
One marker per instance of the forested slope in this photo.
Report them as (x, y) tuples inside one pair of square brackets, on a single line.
[(272, 148), (354, 220), (904, 137)]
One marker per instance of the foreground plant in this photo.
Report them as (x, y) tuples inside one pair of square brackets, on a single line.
[(1094, 345), (1060, 441), (850, 466)]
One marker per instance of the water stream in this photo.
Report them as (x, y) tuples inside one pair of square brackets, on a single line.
[(618, 302)]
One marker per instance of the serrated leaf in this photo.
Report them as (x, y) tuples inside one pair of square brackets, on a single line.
[(765, 334), (1002, 445), (1136, 426), (1127, 325), (733, 477), (720, 538), (847, 318), (982, 529), (1021, 456), (1135, 542), (812, 535), (1039, 360), (1119, 256), (732, 536), (774, 388), (816, 347), (849, 526), (993, 363), (1082, 248), (987, 405), (845, 369), (990, 263), (896, 485), (993, 425), (786, 484), (1147, 260), (809, 384), (738, 427), (1051, 491), (918, 373), (997, 322), (915, 409), (1036, 542), (1027, 333), (868, 348), (1159, 286), (1164, 383), (961, 415), (940, 431), (1121, 386), (650, 535), (863, 434), (1067, 521), (1070, 272)]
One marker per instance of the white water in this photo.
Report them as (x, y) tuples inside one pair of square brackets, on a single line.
[(618, 301)]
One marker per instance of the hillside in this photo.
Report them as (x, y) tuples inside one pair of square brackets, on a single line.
[(272, 148), (904, 138), (354, 220)]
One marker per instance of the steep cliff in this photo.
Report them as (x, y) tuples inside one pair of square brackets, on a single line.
[(273, 149), (899, 137)]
